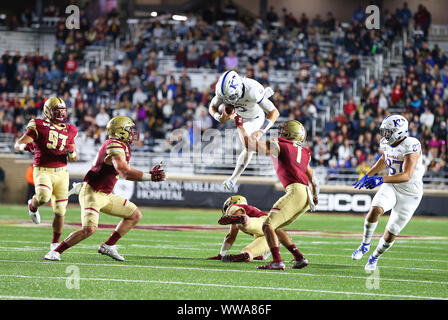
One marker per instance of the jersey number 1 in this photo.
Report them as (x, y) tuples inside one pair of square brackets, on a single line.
[(53, 138), (299, 153)]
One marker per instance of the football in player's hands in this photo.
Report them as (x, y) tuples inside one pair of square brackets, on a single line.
[(228, 108)]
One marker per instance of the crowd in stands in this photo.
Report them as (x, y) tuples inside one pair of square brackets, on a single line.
[(159, 103)]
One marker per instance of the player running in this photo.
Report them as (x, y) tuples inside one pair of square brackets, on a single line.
[(248, 219), (96, 195), (291, 162), (251, 101), (401, 190), (53, 142)]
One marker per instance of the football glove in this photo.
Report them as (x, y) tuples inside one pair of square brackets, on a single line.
[(70, 148), (76, 188), (218, 257), (239, 121), (361, 182), (157, 173), (373, 182)]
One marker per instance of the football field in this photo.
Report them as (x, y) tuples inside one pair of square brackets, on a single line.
[(165, 259)]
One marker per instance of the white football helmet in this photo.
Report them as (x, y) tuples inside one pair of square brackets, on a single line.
[(229, 87), (393, 128)]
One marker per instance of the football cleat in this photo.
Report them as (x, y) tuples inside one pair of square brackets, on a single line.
[(35, 216), (53, 246), (228, 184), (361, 251), (53, 256), (235, 219), (299, 264), (242, 257), (371, 264), (110, 251), (273, 266)]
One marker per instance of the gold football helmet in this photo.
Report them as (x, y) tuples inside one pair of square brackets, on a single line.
[(55, 110), (122, 128), (236, 199), (293, 130)]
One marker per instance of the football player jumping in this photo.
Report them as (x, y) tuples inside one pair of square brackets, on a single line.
[(248, 219), (401, 191), (96, 196), (291, 162), (251, 101), (52, 141)]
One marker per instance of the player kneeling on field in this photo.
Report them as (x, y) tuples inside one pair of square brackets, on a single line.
[(249, 220), (96, 196)]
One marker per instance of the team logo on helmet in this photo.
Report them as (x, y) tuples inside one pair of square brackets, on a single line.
[(229, 87)]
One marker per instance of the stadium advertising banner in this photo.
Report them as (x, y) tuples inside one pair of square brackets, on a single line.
[(206, 194)]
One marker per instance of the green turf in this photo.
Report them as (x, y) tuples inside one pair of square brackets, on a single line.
[(171, 264)]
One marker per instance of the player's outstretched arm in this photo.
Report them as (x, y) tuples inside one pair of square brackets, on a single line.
[(128, 173), (24, 143), (250, 142), (229, 239), (272, 116)]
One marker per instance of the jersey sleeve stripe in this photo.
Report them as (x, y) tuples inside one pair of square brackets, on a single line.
[(260, 100)]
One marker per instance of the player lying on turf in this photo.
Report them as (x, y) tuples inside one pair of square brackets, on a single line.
[(401, 191), (96, 195), (250, 100), (291, 162), (248, 219), (52, 141)]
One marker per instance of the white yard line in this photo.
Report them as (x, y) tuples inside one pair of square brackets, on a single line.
[(223, 270), (235, 287)]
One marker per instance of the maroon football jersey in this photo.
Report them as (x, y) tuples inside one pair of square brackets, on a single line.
[(102, 176), (291, 163), (251, 211), (50, 142)]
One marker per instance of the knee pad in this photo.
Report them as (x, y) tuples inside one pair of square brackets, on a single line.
[(43, 195), (60, 210)]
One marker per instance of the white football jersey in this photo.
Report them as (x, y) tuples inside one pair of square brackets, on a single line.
[(394, 157), (247, 106)]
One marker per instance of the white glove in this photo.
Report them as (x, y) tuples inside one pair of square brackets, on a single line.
[(76, 188)]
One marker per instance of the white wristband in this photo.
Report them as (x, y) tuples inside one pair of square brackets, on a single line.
[(72, 154), (224, 248), (217, 116), (146, 176), (20, 146)]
